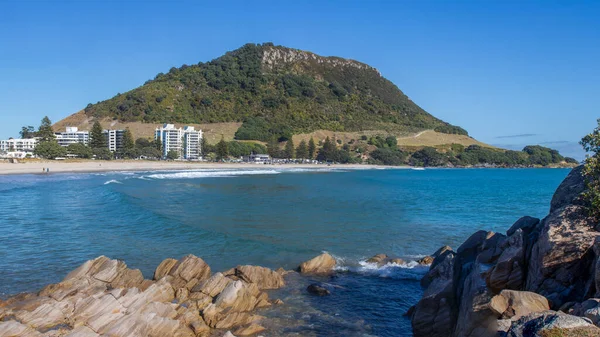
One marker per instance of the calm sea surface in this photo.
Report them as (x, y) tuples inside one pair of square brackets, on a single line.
[(272, 217)]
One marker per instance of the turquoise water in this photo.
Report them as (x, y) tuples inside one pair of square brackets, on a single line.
[(272, 217)]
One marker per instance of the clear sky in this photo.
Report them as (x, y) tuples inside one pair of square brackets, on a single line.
[(510, 72)]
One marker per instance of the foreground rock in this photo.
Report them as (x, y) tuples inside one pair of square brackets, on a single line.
[(105, 298), (318, 290), (506, 284), (552, 323), (323, 263)]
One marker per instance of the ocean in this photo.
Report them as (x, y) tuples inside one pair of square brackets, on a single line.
[(273, 217)]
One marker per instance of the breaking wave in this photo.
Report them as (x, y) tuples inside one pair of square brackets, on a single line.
[(410, 270), (209, 174), (112, 181)]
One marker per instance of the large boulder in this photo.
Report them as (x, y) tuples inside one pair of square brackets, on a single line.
[(189, 271), (435, 314), (264, 278), (510, 268), (562, 258), (526, 224), (569, 191), (475, 317), (515, 304), (552, 323), (441, 267), (323, 263)]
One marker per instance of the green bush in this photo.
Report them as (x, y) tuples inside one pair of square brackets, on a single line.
[(80, 150), (591, 171), (389, 156), (49, 150)]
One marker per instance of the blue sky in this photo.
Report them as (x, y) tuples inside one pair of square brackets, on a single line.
[(511, 72)]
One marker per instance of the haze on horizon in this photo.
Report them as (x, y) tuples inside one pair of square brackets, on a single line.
[(511, 74)]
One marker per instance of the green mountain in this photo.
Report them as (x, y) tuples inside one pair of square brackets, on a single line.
[(275, 91)]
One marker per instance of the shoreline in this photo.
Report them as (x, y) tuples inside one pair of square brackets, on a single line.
[(95, 166), (35, 167)]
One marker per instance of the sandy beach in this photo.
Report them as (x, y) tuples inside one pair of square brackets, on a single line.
[(81, 166)]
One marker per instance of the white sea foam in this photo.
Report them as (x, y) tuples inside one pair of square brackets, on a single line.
[(112, 181), (209, 173), (406, 271)]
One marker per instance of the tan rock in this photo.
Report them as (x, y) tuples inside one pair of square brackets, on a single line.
[(249, 330), (515, 304), (16, 329), (164, 268), (213, 285), (43, 317), (378, 259), (190, 267), (320, 264), (397, 260), (427, 260), (82, 331), (97, 311), (264, 278), (182, 295)]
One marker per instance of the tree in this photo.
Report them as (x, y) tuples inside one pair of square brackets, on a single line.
[(128, 146), (97, 138), (80, 150), (427, 156), (27, 132), (289, 151), (45, 131), (273, 148), (158, 144), (172, 155), (222, 149), (49, 150), (103, 153), (141, 143), (203, 146), (150, 152), (388, 156), (328, 152), (312, 148), (591, 172), (391, 142), (302, 150)]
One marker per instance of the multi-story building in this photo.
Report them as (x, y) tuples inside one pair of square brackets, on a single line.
[(192, 140), (18, 145), (114, 139), (185, 141), (71, 136)]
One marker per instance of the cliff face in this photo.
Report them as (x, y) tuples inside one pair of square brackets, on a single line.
[(493, 283)]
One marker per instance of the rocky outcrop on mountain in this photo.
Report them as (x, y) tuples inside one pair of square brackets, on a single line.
[(506, 284), (103, 297)]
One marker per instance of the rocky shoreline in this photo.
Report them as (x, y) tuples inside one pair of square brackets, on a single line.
[(541, 278), (103, 297)]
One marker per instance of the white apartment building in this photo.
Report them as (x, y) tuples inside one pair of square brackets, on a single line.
[(185, 141), (71, 136), (192, 143), (18, 145), (114, 139)]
